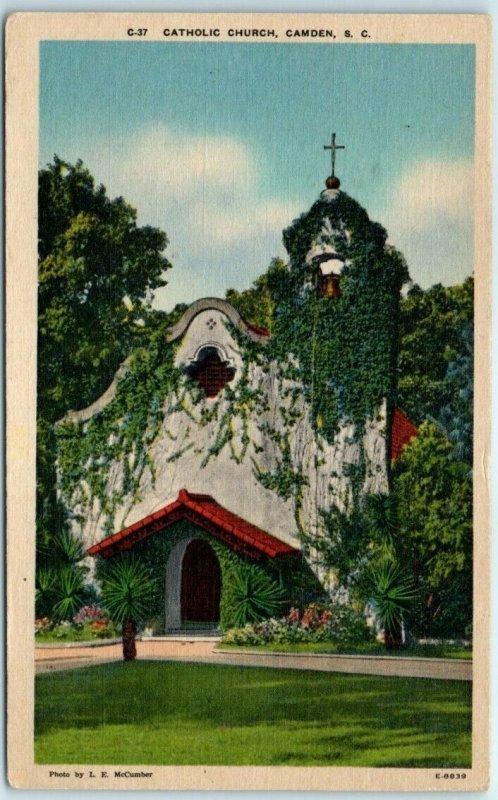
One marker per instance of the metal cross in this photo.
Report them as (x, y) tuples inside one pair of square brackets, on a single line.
[(333, 147)]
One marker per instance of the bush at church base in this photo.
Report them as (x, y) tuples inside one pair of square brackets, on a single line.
[(317, 623)]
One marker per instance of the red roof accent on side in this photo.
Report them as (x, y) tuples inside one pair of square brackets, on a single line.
[(256, 329), (204, 511), (402, 431)]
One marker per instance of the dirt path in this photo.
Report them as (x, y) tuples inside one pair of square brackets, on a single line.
[(202, 651)]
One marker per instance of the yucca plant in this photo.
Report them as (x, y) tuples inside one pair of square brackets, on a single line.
[(44, 591), (68, 592), (391, 595), (60, 578), (384, 523), (68, 549), (254, 596), (126, 594)]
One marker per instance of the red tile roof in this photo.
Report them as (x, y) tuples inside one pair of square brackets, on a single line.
[(402, 431), (206, 513), (256, 328)]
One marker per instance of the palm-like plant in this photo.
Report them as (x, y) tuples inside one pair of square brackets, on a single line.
[(68, 592), (44, 590), (60, 591), (254, 596), (126, 593), (384, 523), (68, 549), (391, 595), (60, 578)]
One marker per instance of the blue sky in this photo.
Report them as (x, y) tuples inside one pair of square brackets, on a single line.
[(221, 145)]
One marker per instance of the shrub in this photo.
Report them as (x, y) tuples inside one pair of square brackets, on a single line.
[(89, 623), (90, 614), (317, 623), (42, 625), (243, 636), (252, 595)]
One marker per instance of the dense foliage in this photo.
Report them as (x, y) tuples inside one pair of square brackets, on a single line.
[(434, 332), (434, 494), (346, 347), (60, 587), (318, 622), (256, 304), (456, 417), (261, 586), (97, 273), (408, 555), (122, 432), (89, 623)]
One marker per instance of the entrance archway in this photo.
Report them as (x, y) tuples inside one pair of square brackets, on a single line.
[(201, 584)]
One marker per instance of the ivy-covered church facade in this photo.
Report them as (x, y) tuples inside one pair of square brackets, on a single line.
[(225, 450)]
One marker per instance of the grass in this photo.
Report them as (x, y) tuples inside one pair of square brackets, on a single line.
[(152, 712), (72, 635), (368, 649)]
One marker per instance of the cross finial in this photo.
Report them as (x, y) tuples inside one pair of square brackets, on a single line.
[(333, 147)]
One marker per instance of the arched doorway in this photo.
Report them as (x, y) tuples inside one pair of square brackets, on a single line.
[(201, 584)]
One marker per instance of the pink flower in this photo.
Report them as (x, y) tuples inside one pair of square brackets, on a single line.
[(89, 614)]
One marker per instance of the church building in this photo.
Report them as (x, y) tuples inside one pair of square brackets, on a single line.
[(227, 447)]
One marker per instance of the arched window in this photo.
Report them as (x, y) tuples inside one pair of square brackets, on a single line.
[(329, 267), (210, 371)]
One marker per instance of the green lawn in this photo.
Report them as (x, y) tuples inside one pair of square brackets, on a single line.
[(74, 636), (152, 712), (368, 649)]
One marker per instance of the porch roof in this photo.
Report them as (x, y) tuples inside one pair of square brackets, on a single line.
[(206, 513)]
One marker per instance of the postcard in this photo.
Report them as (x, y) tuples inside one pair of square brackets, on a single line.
[(248, 334)]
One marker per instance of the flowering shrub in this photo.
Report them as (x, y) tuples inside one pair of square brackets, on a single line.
[(42, 624), (246, 635), (91, 622), (317, 623), (90, 614)]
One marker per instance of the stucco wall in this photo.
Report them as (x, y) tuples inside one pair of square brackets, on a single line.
[(182, 459)]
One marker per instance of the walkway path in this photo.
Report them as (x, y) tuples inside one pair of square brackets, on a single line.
[(202, 651)]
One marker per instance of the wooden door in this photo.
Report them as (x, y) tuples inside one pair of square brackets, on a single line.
[(201, 583)]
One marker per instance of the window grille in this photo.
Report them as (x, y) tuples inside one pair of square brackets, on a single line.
[(211, 372)]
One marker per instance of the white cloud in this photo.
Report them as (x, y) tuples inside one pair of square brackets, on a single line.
[(206, 193), (430, 219)]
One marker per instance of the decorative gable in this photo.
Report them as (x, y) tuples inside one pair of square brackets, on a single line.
[(206, 513)]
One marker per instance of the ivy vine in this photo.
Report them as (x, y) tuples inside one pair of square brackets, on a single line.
[(338, 355), (122, 432), (346, 347), (292, 573)]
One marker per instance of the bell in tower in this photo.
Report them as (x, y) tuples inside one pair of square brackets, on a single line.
[(328, 270)]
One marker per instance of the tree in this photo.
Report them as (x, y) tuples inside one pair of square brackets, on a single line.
[(97, 272), (126, 593), (431, 330), (456, 417), (256, 304), (434, 493)]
